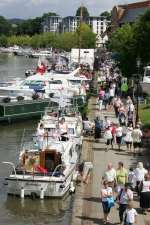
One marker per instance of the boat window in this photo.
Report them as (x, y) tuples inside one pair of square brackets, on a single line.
[(34, 82), (74, 82), (55, 82), (71, 130), (70, 152), (147, 72)]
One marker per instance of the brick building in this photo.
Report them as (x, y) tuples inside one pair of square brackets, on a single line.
[(128, 13)]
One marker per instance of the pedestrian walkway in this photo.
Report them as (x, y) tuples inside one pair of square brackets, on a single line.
[(87, 208)]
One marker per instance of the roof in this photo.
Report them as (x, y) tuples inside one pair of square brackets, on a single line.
[(132, 15), (130, 12)]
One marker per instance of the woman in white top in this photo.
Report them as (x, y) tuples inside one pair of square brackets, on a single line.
[(140, 173), (137, 136), (119, 134), (108, 137), (128, 138), (106, 192), (145, 193)]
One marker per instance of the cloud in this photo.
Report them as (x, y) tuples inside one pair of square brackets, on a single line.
[(33, 8)]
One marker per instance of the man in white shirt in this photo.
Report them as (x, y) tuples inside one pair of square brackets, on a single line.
[(110, 175)]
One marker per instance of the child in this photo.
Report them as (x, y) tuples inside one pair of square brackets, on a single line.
[(130, 215)]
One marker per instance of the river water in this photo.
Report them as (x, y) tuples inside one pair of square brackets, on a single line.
[(13, 210)]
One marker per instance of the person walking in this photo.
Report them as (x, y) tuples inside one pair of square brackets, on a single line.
[(128, 138), (106, 192), (140, 173), (101, 98), (125, 195), (145, 194), (137, 136), (106, 99), (131, 178), (108, 137), (121, 176), (130, 215), (98, 127), (110, 175), (119, 135)]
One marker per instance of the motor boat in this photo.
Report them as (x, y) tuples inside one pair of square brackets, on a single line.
[(50, 82), (146, 80), (50, 172), (42, 53)]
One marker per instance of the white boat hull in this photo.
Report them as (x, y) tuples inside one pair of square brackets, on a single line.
[(40, 188)]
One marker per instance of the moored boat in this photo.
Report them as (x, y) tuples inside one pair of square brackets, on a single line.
[(50, 171)]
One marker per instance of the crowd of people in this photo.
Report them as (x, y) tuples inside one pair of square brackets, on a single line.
[(119, 185)]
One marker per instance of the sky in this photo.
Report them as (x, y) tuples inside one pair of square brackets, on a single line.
[(33, 8)]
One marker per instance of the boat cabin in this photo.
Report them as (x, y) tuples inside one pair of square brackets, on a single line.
[(43, 162)]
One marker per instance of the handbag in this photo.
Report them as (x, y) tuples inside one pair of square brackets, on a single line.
[(110, 201)]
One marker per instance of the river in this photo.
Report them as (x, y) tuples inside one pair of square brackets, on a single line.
[(13, 210)]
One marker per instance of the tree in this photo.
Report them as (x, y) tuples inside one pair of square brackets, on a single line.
[(85, 12), (142, 34), (3, 41), (123, 42), (45, 15), (5, 26), (106, 14), (85, 36), (30, 27)]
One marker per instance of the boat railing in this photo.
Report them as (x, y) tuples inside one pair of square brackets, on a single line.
[(57, 167), (12, 165)]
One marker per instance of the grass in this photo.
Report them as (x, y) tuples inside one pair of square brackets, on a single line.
[(144, 113)]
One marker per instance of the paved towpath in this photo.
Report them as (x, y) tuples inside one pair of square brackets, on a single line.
[(87, 209)]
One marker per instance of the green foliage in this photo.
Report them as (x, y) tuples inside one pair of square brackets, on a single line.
[(45, 15), (85, 12), (3, 40), (30, 27), (142, 33), (86, 36), (5, 26), (123, 42), (131, 42), (64, 41), (106, 14), (144, 114)]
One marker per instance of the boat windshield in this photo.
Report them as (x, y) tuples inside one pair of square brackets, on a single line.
[(75, 82), (33, 82), (147, 72), (55, 82)]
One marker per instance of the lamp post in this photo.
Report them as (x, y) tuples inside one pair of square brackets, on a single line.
[(138, 63)]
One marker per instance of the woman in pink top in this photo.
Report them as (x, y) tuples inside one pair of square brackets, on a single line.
[(101, 98)]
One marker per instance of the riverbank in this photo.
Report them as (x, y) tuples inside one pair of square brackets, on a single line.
[(87, 209)]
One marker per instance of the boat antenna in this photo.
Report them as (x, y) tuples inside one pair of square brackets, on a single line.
[(80, 34)]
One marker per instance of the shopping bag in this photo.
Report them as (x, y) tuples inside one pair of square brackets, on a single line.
[(110, 201)]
